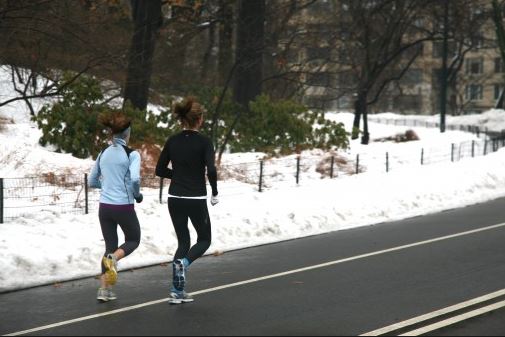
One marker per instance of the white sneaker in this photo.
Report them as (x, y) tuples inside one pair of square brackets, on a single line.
[(102, 295), (106, 295), (111, 295)]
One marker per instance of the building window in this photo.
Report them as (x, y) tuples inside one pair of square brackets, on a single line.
[(478, 41), (498, 88), (419, 22), (320, 6), (347, 79), (370, 4), (498, 65), (318, 54), (438, 49), (475, 66), (412, 77), (344, 57), (408, 103), (476, 12), (474, 92), (318, 79), (345, 5)]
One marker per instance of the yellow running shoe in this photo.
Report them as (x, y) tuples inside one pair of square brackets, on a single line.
[(110, 264)]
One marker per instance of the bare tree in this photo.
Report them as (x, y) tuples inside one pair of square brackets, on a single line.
[(460, 25), (147, 18), (42, 39), (497, 14), (379, 41), (249, 55), (226, 24)]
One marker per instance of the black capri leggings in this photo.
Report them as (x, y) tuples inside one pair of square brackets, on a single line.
[(182, 210), (129, 223)]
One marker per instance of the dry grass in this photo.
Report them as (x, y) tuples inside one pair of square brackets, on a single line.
[(342, 166), (67, 180), (149, 154), (238, 172), (3, 123)]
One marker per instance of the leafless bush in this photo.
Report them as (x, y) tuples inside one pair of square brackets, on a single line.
[(408, 136)]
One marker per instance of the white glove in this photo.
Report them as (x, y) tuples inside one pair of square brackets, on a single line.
[(214, 200)]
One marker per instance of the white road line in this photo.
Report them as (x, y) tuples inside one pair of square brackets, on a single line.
[(456, 319), (259, 279), (86, 318), (435, 314)]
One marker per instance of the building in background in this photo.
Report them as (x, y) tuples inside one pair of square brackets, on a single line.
[(475, 84)]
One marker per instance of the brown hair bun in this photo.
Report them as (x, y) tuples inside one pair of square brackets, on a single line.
[(116, 121), (189, 112)]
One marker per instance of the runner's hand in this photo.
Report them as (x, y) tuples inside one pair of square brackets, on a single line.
[(139, 199), (214, 201)]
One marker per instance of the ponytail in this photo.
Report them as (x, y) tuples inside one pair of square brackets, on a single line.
[(117, 122), (189, 112)]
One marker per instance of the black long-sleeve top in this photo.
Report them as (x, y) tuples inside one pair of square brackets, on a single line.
[(190, 154)]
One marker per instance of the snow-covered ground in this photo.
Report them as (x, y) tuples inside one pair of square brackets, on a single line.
[(42, 245), (492, 120)]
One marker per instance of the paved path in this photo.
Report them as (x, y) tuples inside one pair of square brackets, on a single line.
[(344, 283)]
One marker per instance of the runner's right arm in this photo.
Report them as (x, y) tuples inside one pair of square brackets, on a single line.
[(162, 169), (135, 174)]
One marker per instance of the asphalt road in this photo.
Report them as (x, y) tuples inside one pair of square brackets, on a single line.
[(492, 324), (343, 283)]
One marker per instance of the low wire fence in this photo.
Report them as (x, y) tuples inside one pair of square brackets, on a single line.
[(59, 194), (70, 193), (416, 122)]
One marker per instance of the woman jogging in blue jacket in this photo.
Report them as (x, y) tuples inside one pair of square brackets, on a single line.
[(117, 174), (191, 154)]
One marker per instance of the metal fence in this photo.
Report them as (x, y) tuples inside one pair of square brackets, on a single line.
[(70, 194), (413, 122), (54, 193)]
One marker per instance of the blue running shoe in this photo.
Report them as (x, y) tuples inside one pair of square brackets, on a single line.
[(179, 272), (179, 297)]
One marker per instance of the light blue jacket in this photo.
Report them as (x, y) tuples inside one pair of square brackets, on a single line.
[(117, 175)]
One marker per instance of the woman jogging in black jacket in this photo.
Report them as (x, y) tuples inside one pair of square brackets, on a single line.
[(191, 154)]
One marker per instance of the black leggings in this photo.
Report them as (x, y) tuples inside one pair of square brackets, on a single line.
[(182, 210), (129, 223)]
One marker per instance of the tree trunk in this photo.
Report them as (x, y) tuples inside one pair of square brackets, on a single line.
[(501, 100), (147, 18), (365, 140), (250, 46), (225, 41), (360, 108), (444, 75), (355, 124), (500, 36), (207, 63)]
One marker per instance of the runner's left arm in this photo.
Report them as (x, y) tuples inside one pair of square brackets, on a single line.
[(210, 162), (94, 176), (135, 173), (162, 169)]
